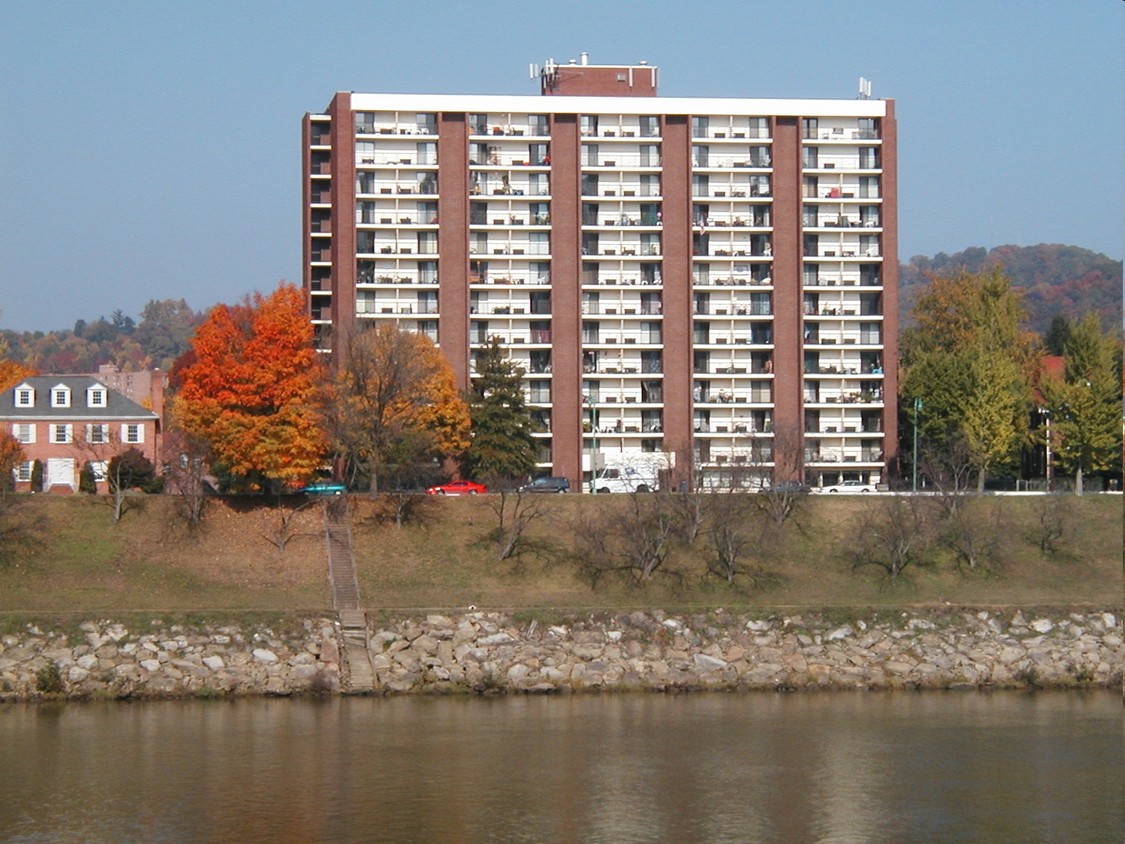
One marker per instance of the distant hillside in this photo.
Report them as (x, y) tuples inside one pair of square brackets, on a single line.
[(1055, 280)]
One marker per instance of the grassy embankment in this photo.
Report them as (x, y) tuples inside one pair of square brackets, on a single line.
[(83, 564)]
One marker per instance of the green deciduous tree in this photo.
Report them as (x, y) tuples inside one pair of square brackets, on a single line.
[(971, 364), (502, 447), (1085, 403)]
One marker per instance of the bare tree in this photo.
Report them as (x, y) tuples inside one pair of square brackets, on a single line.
[(186, 460), (1053, 517), (284, 529), (122, 469), (515, 512), (785, 497), (950, 470), (634, 540), (737, 530), (972, 534), (893, 533)]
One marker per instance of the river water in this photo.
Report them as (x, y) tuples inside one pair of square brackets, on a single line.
[(841, 767)]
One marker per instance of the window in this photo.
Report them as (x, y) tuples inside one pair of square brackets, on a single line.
[(60, 396), (538, 124), (132, 433), (759, 127), (24, 432), (97, 434), (808, 128), (365, 301), (23, 471), (25, 396), (539, 243), (364, 152), (364, 123), (100, 469), (62, 434), (96, 397), (699, 126), (650, 126), (426, 152)]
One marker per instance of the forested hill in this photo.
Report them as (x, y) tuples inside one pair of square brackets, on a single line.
[(1056, 280)]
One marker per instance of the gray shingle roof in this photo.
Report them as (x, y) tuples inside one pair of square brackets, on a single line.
[(117, 406)]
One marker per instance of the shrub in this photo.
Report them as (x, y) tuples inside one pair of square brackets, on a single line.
[(87, 481), (48, 679)]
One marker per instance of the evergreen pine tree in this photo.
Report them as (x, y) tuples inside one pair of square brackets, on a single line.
[(502, 447)]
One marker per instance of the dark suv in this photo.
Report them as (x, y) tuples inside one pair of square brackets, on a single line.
[(547, 485)]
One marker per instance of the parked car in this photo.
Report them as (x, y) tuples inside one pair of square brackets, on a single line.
[(547, 485), (848, 486), (323, 488), (458, 488), (790, 487)]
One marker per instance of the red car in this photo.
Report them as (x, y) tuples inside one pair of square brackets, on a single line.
[(458, 488)]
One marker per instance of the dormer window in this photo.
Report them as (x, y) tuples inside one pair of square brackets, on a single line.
[(96, 396), (25, 396), (60, 396)]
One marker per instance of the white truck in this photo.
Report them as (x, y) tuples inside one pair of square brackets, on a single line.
[(633, 472)]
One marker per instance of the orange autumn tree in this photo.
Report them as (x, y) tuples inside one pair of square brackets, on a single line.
[(251, 388), (11, 373), (396, 412)]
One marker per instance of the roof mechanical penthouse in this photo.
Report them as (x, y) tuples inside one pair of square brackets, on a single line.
[(714, 279)]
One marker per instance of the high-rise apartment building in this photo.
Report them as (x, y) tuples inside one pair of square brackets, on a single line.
[(710, 278)]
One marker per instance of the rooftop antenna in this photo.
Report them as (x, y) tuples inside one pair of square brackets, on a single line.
[(864, 89)]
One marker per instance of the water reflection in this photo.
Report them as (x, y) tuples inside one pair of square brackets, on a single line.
[(840, 767)]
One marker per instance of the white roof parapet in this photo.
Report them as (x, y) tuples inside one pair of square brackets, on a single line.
[(618, 105)]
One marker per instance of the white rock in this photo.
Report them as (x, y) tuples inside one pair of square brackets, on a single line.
[(213, 662), (263, 655), (1109, 620), (150, 664), (838, 633), (709, 663), (613, 635), (758, 626), (500, 638), (1042, 625), (89, 662), (77, 674)]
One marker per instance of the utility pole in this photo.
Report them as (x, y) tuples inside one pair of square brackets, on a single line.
[(594, 444)]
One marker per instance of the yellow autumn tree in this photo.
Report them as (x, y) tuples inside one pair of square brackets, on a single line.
[(395, 411), (252, 388)]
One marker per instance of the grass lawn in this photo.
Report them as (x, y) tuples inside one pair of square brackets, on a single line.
[(81, 562)]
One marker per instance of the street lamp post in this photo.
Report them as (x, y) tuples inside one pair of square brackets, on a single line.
[(1050, 479), (594, 444), (914, 466)]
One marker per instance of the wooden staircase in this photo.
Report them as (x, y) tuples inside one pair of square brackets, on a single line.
[(358, 675)]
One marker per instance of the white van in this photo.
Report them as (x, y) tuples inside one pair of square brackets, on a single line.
[(639, 472)]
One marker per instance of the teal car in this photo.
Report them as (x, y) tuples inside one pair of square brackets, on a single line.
[(323, 488)]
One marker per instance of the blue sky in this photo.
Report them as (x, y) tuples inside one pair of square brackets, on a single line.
[(151, 149)]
